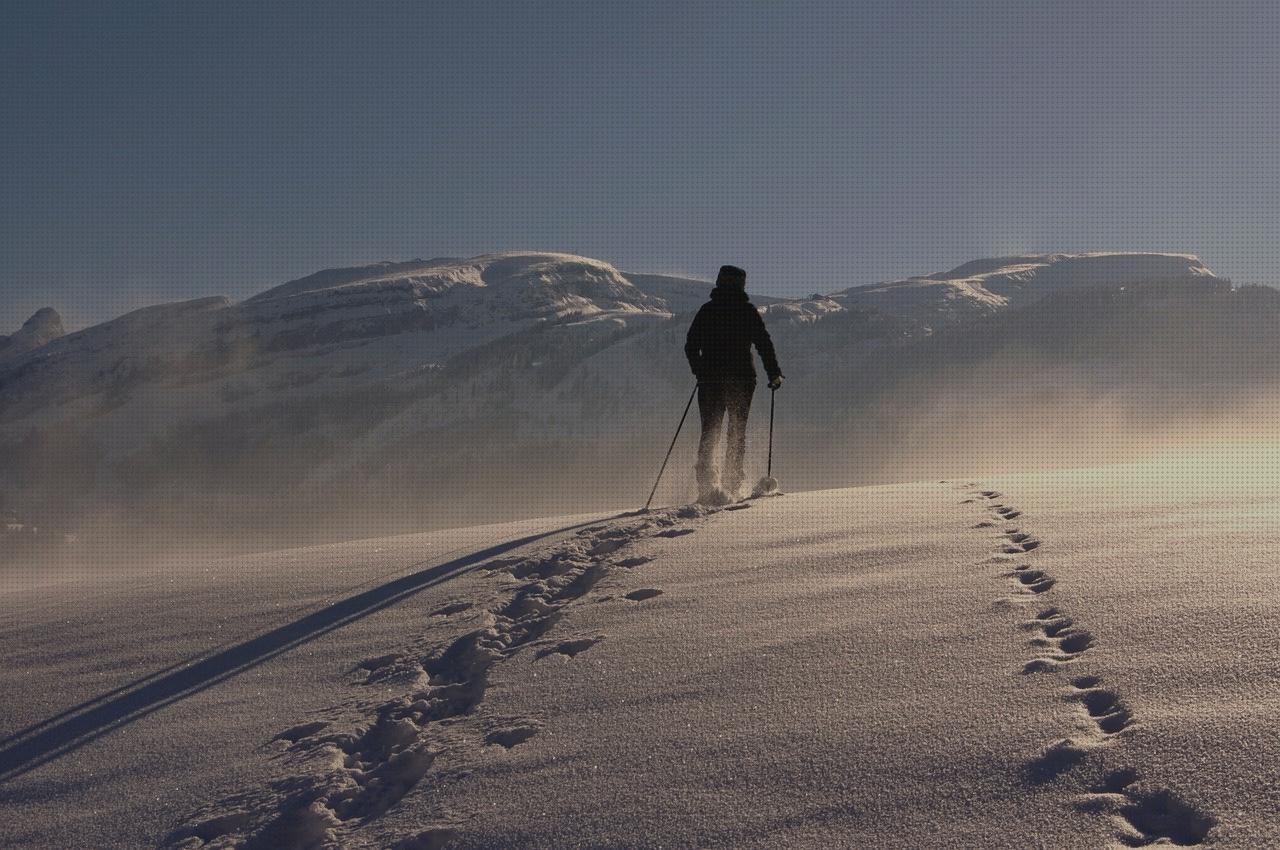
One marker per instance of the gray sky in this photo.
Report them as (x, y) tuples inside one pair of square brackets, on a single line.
[(155, 152)]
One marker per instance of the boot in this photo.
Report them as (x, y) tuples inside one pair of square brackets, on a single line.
[(715, 497)]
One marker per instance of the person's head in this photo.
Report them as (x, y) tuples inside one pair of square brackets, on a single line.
[(732, 277)]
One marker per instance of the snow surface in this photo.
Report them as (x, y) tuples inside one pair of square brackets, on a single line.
[(1076, 659)]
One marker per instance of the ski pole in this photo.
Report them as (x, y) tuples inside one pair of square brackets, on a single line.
[(773, 395), (663, 469)]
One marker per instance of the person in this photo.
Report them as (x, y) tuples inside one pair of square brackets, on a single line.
[(719, 350)]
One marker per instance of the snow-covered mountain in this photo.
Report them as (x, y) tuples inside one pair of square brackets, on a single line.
[(421, 392), (340, 327), (43, 327), (983, 286), (488, 291)]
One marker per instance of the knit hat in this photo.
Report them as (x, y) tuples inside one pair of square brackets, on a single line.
[(732, 276)]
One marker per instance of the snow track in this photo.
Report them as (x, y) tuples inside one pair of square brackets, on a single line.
[(344, 773), (1144, 815)]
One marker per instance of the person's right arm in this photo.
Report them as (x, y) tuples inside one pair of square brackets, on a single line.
[(693, 343), (764, 345)]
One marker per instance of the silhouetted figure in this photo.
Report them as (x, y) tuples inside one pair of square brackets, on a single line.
[(719, 352)]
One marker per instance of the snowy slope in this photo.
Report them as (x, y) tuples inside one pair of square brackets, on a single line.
[(1076, 659)]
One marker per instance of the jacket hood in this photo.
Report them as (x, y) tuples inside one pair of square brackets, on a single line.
[(724, 293)]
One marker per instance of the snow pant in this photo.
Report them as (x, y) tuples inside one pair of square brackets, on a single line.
[(715, 400)]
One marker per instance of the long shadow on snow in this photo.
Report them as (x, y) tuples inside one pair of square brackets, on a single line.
[(50, 739)]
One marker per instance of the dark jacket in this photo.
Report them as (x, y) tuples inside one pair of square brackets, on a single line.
[(721, 336)]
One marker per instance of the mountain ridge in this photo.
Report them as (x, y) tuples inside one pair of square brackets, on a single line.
[(438, 275), (520, 383)]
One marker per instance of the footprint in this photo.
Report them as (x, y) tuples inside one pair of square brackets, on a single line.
[(1162, 816), (1147, 817), (1106, 709), (570, 648), (1040, 665), (1057, 759), (1019, 543), (1055, 631), (386, 777), (1117, 780), (1075, 642), (609, 544), (1036, 581), (643, 594), (511, 736), (1056, 626), (1049, 623)]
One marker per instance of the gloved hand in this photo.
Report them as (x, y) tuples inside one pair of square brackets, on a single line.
[(775, 383)]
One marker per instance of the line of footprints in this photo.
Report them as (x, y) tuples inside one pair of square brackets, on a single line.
[(432, 701), (1143, 816)]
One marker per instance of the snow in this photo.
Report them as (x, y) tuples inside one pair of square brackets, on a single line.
[(1082, 658), (521, 275), (803, 312), (991, 284)]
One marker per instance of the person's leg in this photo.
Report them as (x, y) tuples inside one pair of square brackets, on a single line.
[(711, 408), (738, 405)]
